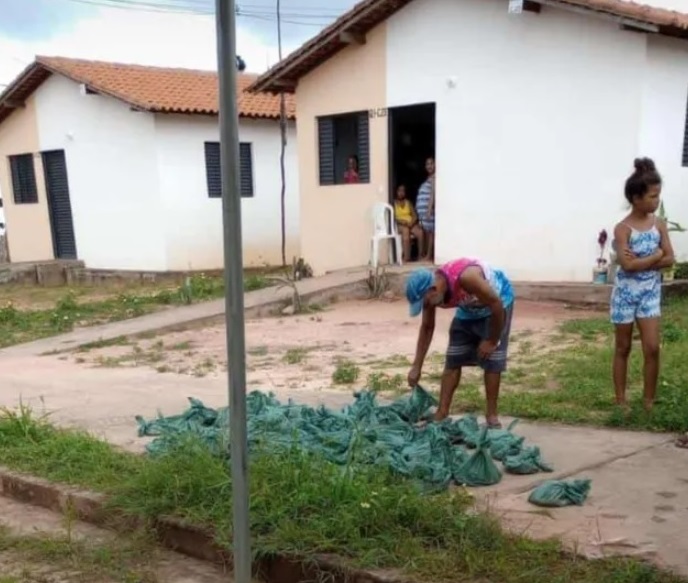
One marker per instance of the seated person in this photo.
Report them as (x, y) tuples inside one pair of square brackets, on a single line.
[(407, 222), (351, 175)]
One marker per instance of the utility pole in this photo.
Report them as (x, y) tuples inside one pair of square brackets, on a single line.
[(283, 137), (227, 64)]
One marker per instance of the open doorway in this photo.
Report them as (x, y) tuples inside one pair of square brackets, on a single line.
[(411, 142)]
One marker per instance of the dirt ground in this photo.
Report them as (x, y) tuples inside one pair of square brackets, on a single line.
[(367, 342)]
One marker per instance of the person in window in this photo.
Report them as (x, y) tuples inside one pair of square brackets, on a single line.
[(407, 222), (351, 174), (425, 206)]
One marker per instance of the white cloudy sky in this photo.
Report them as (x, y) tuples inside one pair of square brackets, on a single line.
[(152, 32)]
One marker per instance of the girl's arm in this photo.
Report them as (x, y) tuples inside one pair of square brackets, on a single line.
[(414, 214), (625, 256), (668, 259)]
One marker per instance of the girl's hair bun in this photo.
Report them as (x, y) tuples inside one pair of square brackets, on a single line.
[(643, 165)]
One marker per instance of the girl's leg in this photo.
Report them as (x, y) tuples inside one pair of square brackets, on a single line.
[(649, 338), (405, 233), (622, 350)]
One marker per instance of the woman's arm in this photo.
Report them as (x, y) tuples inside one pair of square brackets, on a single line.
[(473, 281), (431, 206), (668, 259), (414, 214), (625, 256), (425, 334)]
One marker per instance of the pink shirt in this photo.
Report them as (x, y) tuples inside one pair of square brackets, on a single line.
[(452, 271)]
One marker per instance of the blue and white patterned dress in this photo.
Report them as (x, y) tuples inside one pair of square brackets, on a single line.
[(422, 206), (638, 294)]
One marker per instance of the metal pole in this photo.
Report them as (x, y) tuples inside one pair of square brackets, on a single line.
[(225, 15)]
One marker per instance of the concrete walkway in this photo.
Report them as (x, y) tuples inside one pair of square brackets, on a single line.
[(336, 285)]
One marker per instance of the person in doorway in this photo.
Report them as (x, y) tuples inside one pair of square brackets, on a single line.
[(351, 174), (425, 206), (479, 333), (643, 249), (407, 222)]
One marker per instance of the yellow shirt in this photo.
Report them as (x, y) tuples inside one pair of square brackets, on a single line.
[(403, 211)]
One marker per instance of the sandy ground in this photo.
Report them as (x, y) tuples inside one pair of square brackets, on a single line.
[(638, 501), (354, 340)]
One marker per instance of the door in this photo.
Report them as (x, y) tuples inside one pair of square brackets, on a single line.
[(59, 206)]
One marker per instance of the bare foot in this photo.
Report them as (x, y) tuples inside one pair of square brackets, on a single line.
[(493, 423), (440, 416), (648, 406)]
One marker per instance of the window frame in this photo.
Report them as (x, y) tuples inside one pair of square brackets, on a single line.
[(326, 136), (213, 177), (24, 188)]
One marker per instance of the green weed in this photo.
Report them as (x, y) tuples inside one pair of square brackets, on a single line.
[(18, 326), (345, 373)]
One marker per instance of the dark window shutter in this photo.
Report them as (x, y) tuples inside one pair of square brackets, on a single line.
[(23, 179), (685, 138), (363, 147), (246, 169), (212, 169), (326, 150)]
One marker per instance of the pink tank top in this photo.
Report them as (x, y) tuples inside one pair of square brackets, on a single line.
[(453, 271)]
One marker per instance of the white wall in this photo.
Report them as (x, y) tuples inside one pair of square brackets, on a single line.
[(663, 126), (537, 138), (112, 172), (193, 221)]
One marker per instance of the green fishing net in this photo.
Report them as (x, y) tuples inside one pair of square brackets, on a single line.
[(364, 431), (527, 461), (556, 494)]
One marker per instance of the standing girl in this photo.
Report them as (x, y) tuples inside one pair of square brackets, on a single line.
[(425, 207), (643, 248)]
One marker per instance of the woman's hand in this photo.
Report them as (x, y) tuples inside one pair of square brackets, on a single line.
[(414, 376)]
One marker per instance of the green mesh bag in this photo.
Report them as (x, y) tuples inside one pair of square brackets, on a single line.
[(479, 469), (557, 494), (528, 461)]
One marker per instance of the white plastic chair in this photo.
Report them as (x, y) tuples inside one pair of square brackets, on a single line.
[(384, 227)]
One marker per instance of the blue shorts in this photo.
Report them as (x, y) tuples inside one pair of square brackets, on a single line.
[(466, 335), (636, 300)]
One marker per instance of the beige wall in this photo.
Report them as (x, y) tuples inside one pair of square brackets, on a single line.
[(336, 222), (28, 225)]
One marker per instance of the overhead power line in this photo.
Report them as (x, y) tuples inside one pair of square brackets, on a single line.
[(205, 8)]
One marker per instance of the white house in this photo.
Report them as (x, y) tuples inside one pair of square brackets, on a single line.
[(118, 166), (534, 110)]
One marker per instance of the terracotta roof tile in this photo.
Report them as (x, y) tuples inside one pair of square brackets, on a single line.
[(154, 89), (367, 14)]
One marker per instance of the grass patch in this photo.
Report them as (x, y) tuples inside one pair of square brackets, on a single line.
[(346, 372), (295, 355), (380, 382), (70, 312), (574, 384), (363, 514)]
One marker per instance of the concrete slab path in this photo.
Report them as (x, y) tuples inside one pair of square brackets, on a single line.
[(27, 521)]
